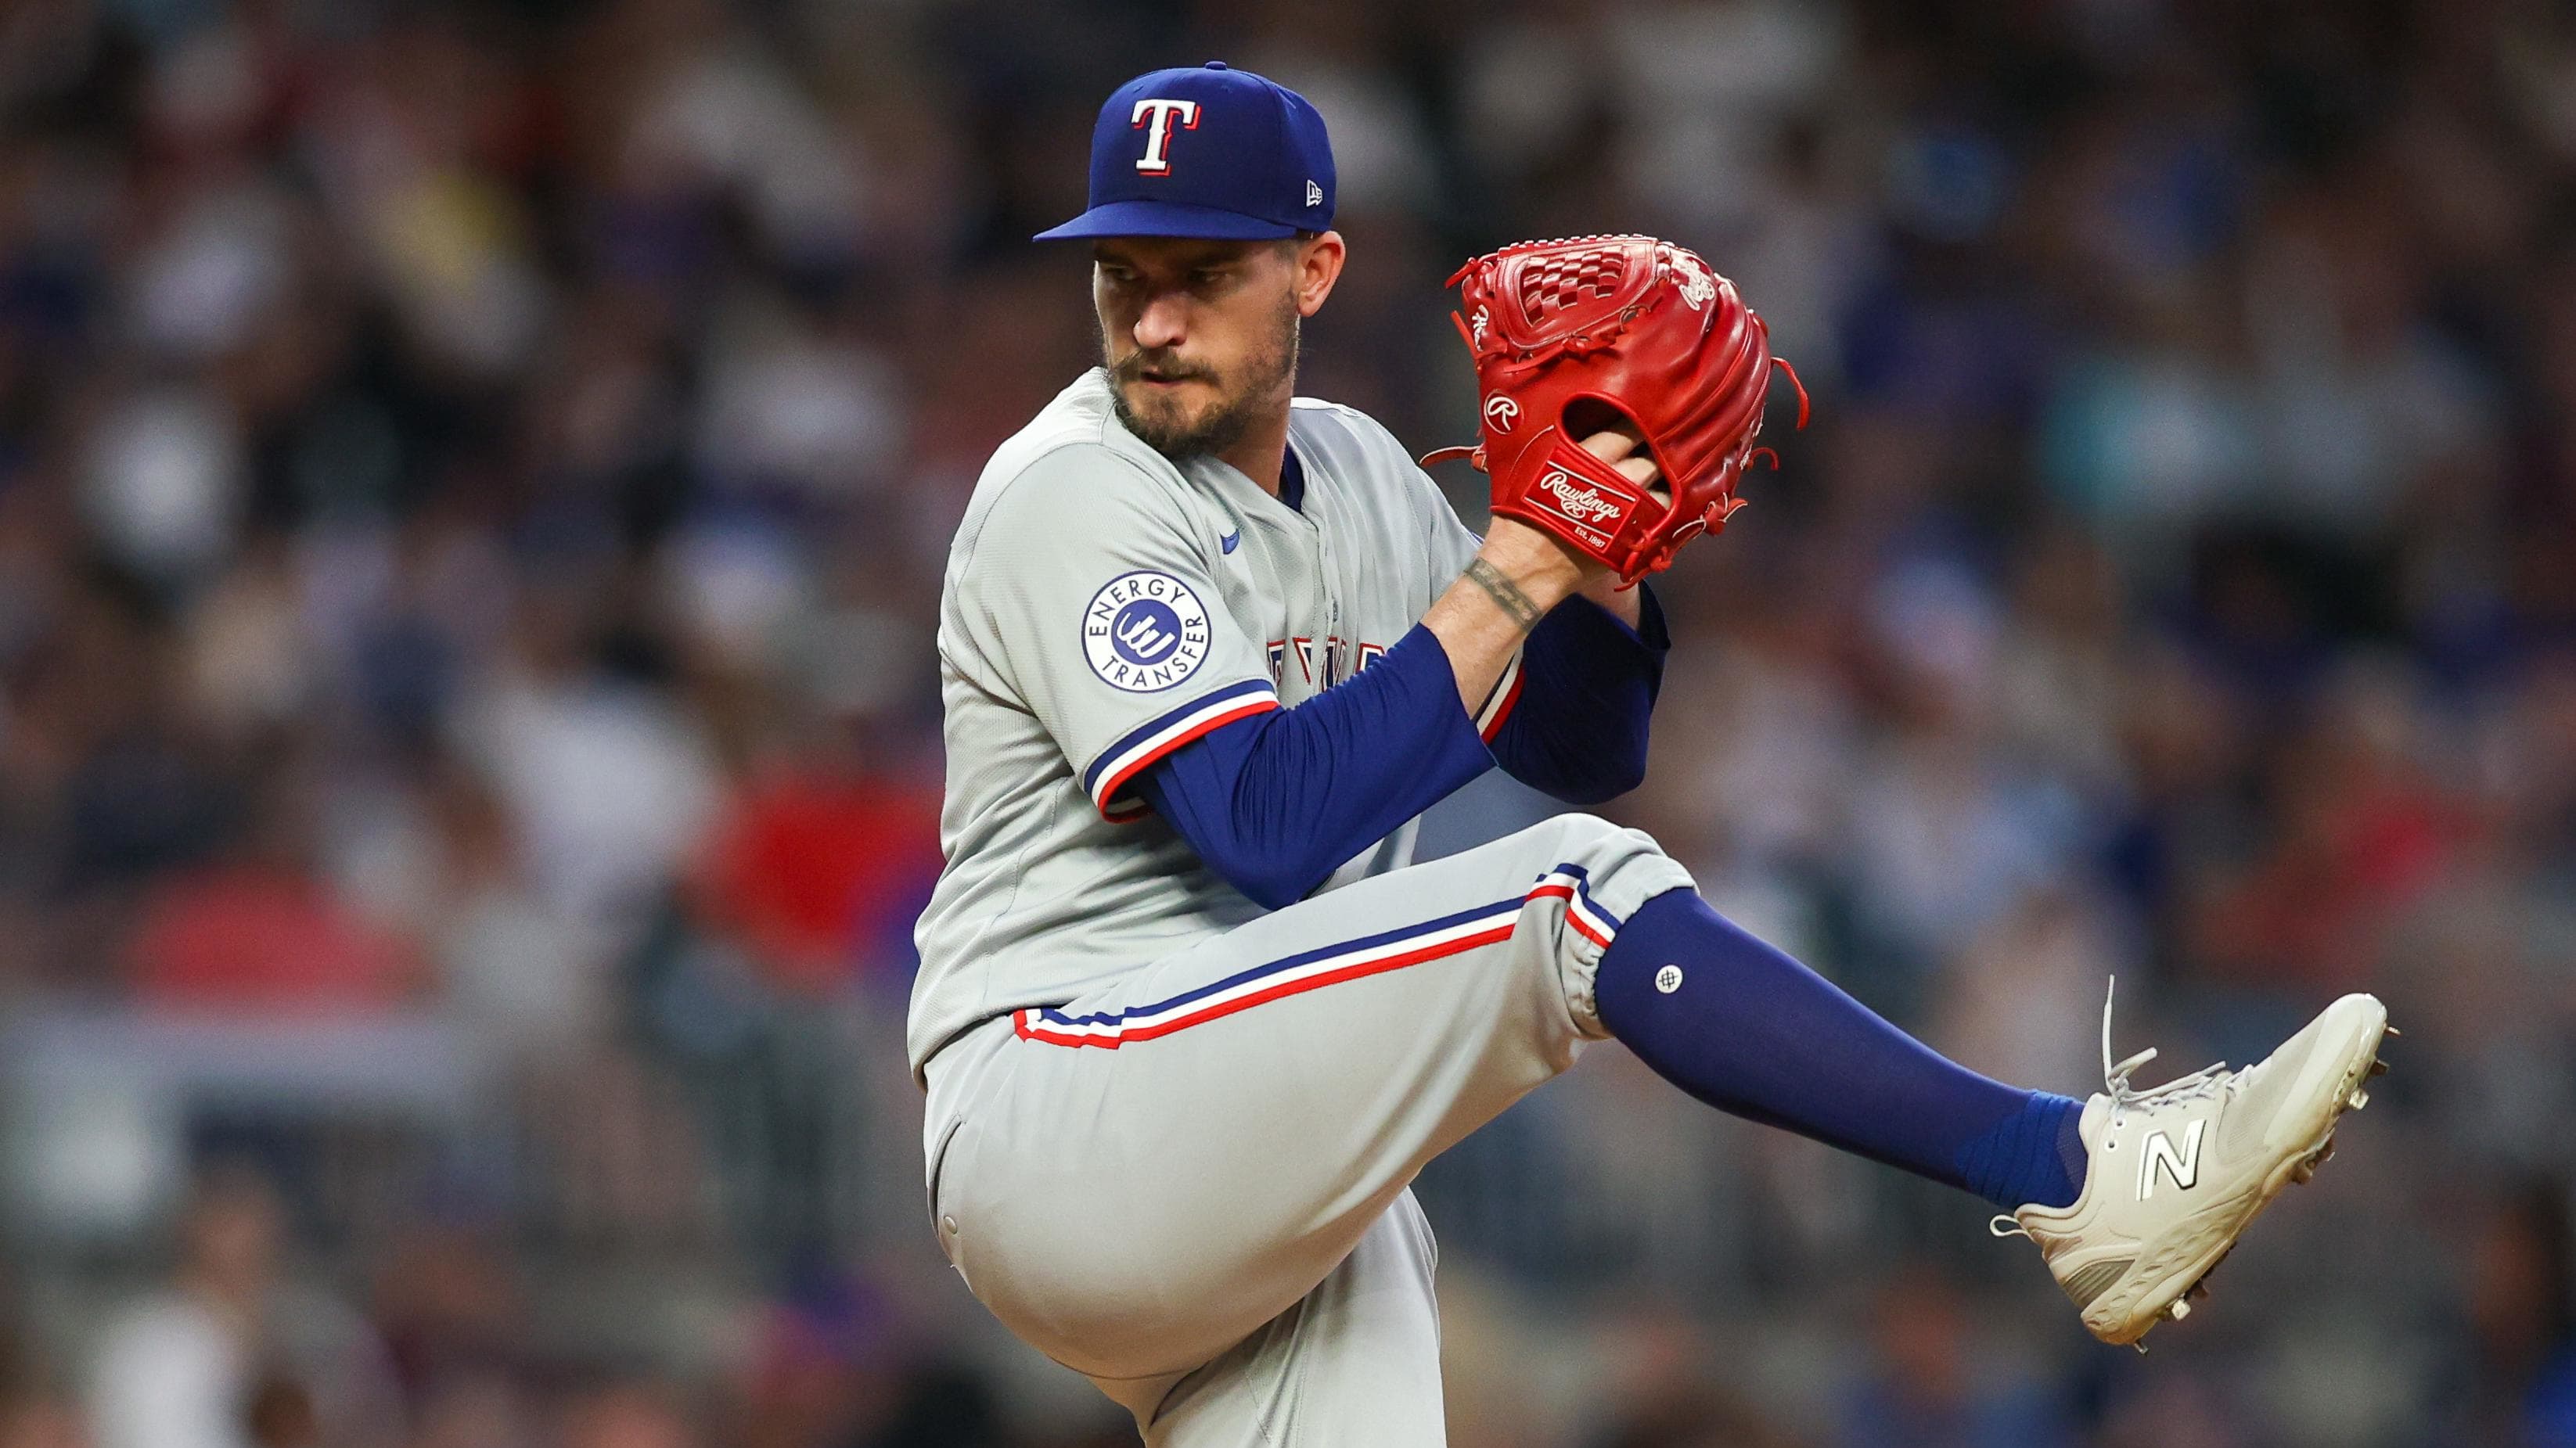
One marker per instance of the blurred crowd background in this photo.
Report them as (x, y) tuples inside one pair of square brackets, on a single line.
[(473, 482)]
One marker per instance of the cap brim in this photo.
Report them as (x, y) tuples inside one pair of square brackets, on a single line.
[(1166, 218)]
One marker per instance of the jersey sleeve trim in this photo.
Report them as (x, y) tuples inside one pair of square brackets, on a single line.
[(1498, 704), (1120, 763)]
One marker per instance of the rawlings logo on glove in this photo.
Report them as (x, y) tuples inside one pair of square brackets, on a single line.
[(1623, 325), (1582, 504)]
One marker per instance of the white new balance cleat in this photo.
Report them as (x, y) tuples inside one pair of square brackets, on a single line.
[(2176, 1172)]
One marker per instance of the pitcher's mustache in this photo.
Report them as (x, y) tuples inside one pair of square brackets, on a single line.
[(1164, 367)]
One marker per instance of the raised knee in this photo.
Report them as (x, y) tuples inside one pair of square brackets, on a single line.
[(1608, 869), (1591, 841)]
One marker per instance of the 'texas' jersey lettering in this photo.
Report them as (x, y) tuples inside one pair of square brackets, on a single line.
[(1321, 662)]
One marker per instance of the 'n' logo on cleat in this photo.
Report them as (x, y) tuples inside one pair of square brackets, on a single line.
[(2183, 1166)]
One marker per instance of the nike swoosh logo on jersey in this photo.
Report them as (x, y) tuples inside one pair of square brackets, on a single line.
[(1229, 540)]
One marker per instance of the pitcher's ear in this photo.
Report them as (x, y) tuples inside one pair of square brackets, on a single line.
[(1320, 256)]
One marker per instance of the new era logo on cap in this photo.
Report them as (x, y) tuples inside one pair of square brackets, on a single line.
[(1206, 151)]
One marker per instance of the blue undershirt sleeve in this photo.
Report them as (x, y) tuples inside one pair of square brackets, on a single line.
[(1586, 692), (1276, 802)]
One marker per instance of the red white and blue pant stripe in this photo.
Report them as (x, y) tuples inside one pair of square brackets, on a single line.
[(1328, 965)]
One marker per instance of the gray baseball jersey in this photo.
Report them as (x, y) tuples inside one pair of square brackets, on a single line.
[(1103, 607), (1169, 1135)]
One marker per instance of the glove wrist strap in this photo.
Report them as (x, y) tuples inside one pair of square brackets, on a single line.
[(1586, 502)]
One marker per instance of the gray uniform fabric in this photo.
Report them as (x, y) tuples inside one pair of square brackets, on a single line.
[(1057, 883), (1137, 1188), (1169, 1136)]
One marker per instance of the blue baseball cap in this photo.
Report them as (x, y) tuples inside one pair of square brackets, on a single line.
[(1206, 151)]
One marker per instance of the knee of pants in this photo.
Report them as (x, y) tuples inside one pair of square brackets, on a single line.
[(1591, 840), (1604, 872), (1608, 850)]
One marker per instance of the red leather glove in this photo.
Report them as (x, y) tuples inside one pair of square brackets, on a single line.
[(1646, 329)]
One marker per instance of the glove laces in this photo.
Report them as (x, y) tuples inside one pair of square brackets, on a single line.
[(2206, 1081)]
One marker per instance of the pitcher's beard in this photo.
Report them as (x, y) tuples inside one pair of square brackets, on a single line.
[(1180, 437)]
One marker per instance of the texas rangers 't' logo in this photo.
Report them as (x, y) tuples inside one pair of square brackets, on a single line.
[(1154, 118), (1502, 412)]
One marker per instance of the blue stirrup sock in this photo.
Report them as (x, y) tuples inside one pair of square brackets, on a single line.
[(1752, 1032)]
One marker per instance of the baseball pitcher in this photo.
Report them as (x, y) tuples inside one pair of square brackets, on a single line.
[(1190, 1019)]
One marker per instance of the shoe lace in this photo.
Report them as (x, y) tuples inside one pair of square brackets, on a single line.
[(2115, 1076), (2206, 1081)]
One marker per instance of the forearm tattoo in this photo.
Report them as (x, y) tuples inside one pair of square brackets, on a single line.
[(1506, 594)]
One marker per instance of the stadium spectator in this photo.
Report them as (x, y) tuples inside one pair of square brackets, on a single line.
[(232, 1354)]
